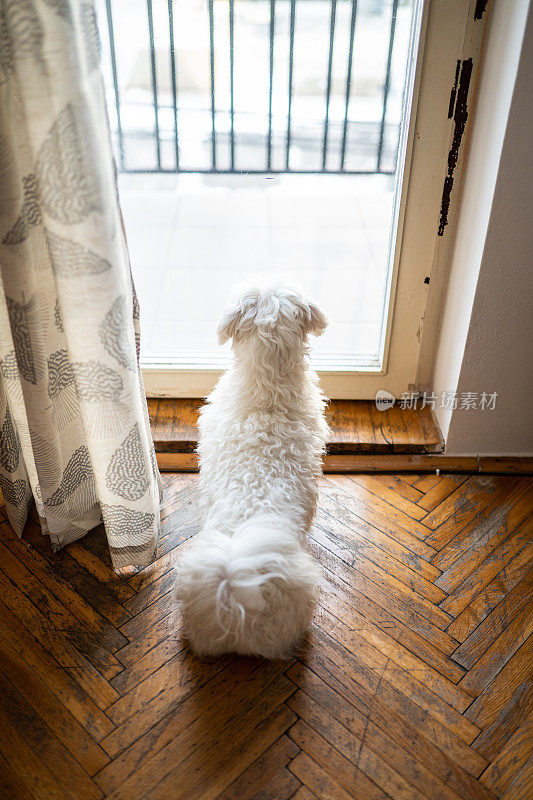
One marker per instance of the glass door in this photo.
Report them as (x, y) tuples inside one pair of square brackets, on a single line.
[(277, 137)]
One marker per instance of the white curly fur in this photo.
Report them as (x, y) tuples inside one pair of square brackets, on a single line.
[(246, 584)]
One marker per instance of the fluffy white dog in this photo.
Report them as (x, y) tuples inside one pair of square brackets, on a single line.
[(247, 585)]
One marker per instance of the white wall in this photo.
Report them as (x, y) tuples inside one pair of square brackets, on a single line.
[(486, 335)]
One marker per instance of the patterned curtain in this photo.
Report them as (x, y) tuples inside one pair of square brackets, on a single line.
[(74, 430)]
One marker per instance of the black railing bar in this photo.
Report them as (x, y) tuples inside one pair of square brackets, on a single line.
[(403, 107), (208, 171), (271, 80), (212, 69), (110, 30), (397, 146), (348, 82), (328, 83), (173, 79), (154, 81), (300, 136), (250, 141), (291, 73), (254, 143), (386, 86), (231, 80), (399, 137), (317, 123)]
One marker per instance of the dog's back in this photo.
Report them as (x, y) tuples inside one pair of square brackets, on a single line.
[(246, 584)]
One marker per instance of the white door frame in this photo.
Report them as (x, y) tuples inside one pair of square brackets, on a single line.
[(449, 34)]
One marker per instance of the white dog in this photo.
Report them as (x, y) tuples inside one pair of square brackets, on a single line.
[(247, 585)]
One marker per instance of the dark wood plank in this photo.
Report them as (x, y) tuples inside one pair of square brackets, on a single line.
[(62, 765), (405, 425), (102, 570), (58, 719), (339, 507), (388, 517), (388, 491), (397, 603), (304, 793), (374, 622), (12, 786), (374, 525), (501, 772), (520, 786), (387, 612), (380, 424), (321, 783), (52, 622), (238, 745), (355, 425), (267, 777), (494, 624), (328, 770), (205, 717), (46, 573), (497, 655), (48, 631), (363, 743), (26, 770), (438, 489), (398, 678), (167, 625), (482, 589), (414, 683), (163, 690), (15, 638), (350, 463), (361, 550), (402, 485), (350, 422), (384, 732), (492, 740), (424, 483), (485, 709), (149, 662), (481, 537), (461, 507), (101, 597), (383, 697)]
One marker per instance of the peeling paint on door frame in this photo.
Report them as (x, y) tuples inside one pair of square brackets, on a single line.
[(459, 108)]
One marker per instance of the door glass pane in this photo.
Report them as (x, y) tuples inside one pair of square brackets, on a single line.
[(259, 137)]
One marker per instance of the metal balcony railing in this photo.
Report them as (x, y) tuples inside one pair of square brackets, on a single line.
[(234, 138)]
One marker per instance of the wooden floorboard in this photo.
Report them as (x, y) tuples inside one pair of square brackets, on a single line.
[(400, 463), (356, 427), (414, 683)]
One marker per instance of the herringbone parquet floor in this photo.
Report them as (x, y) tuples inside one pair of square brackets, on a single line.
[(416, 680)]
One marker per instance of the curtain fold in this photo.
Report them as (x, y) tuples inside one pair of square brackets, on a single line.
[(74, 428)]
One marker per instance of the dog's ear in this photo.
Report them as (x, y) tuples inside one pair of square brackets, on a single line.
[(314, 320), (238, 316), (318, 322), (229, 324)]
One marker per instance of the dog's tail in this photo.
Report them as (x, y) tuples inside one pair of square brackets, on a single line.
[(252, 593)]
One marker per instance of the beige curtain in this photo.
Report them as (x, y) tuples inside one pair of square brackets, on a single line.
[(74, 430)]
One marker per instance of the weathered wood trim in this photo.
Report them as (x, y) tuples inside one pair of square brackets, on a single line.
[(188, 462), (357, 427)]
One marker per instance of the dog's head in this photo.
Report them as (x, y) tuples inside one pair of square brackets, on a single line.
[(275, 314)]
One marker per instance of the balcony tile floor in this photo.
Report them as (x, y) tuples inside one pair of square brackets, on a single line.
[(192, 238)]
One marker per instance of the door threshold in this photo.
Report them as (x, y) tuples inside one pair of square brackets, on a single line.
[(357, 428), (392, 463)]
